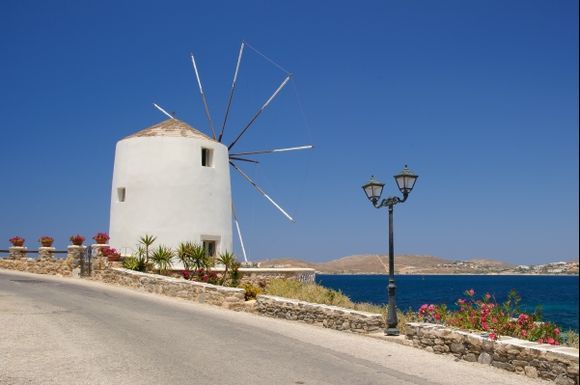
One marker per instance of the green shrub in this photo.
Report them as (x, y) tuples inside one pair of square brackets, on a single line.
[(251, 291), (571, 338), (162, 256)]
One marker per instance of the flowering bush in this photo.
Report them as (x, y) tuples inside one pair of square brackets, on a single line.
[(46, 241), (432, 314), (201, 275), (77, 239), (487, 315), (17, 241), (101, 238), (111, 253)]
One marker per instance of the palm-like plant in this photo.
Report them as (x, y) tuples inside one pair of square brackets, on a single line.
[(199, 257), (147, 240), (184, 253), (228, 260), (162, 256)]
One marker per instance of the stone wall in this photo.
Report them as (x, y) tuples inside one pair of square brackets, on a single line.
[(228, 297), (556, 363), (45, 263), (261, 276), (332, 317)]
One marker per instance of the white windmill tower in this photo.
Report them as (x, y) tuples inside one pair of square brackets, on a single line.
[(173, 181)]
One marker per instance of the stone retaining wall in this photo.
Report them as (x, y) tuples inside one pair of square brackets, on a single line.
[(45, 263), (228, 297), (332, 317), (261, 276), (556, 363)]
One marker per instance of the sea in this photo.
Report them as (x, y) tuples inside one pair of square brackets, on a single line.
[(557, 296)]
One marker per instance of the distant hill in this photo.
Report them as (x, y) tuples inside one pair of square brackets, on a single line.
[(404, 264)]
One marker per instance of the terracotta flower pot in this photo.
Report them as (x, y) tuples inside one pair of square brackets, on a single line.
[(18, 243), (101, 241), (46, 243), (114, 257)]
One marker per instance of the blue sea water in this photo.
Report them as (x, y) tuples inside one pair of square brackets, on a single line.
[(557, 295)]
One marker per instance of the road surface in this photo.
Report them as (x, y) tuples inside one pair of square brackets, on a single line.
[(69, 331)]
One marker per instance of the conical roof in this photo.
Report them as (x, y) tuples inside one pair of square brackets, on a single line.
[(170, 127)]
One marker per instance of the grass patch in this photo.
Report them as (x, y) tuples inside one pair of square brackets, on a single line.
[(314, 293)]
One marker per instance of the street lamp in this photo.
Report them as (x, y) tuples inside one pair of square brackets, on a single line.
[(373, 189)]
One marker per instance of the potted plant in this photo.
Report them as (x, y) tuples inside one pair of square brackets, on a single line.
[(101, 238), (46, 241), (77, 240), (111, 253), (17, 241)]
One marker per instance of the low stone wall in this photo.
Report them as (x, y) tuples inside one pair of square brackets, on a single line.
[(261, 276), (332, 317), (45, 263), (228, 297), (556, 363)]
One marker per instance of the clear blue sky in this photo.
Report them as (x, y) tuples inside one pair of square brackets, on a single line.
[(480, 98)]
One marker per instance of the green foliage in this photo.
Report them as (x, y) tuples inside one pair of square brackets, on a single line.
[(235, 274), (229, 261), (571, 338), (135, 263), (147, 241), (162, 257), (251, 291)]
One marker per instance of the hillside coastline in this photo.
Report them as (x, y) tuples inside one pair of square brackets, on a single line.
[(424, 265)]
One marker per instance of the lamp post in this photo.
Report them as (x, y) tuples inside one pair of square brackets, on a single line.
[(373, 189)]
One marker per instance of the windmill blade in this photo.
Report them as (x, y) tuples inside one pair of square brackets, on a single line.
[(163, 111), (286, 79), (239, 233), (244, 159), (262, 192), (232, 91), (203, 97), (306, 147)]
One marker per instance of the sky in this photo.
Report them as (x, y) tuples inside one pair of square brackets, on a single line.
[(479, 98)]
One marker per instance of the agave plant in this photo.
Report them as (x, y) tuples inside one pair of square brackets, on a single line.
[(162, 256), (228, 260), (199, 257), (184, 253), (146, 241)]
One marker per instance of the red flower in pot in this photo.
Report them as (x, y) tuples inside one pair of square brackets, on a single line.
[(77, 240), (101, 238), (17, 241), (46, 241)]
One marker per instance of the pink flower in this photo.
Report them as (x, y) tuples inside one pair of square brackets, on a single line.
[(557, 331), (487, 296), (431, 307), (540, 340), (524, 333), (460, 301), (437, 316), (484, 325), (551, 341), (492, 336), (470, 292)]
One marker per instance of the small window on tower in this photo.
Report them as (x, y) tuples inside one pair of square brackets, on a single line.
[(121, 194), (206, 157)]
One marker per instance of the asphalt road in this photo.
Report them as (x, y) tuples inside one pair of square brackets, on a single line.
[(67, 331)]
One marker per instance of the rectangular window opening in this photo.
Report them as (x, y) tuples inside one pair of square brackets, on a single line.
[(121, 194), (210, 248), (206, 157)]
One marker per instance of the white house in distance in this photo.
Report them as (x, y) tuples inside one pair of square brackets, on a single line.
[(173, 182)]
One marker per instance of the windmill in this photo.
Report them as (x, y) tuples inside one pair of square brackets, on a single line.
[(218, 154)]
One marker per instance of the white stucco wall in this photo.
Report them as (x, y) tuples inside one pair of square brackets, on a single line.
[(169, 194)]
